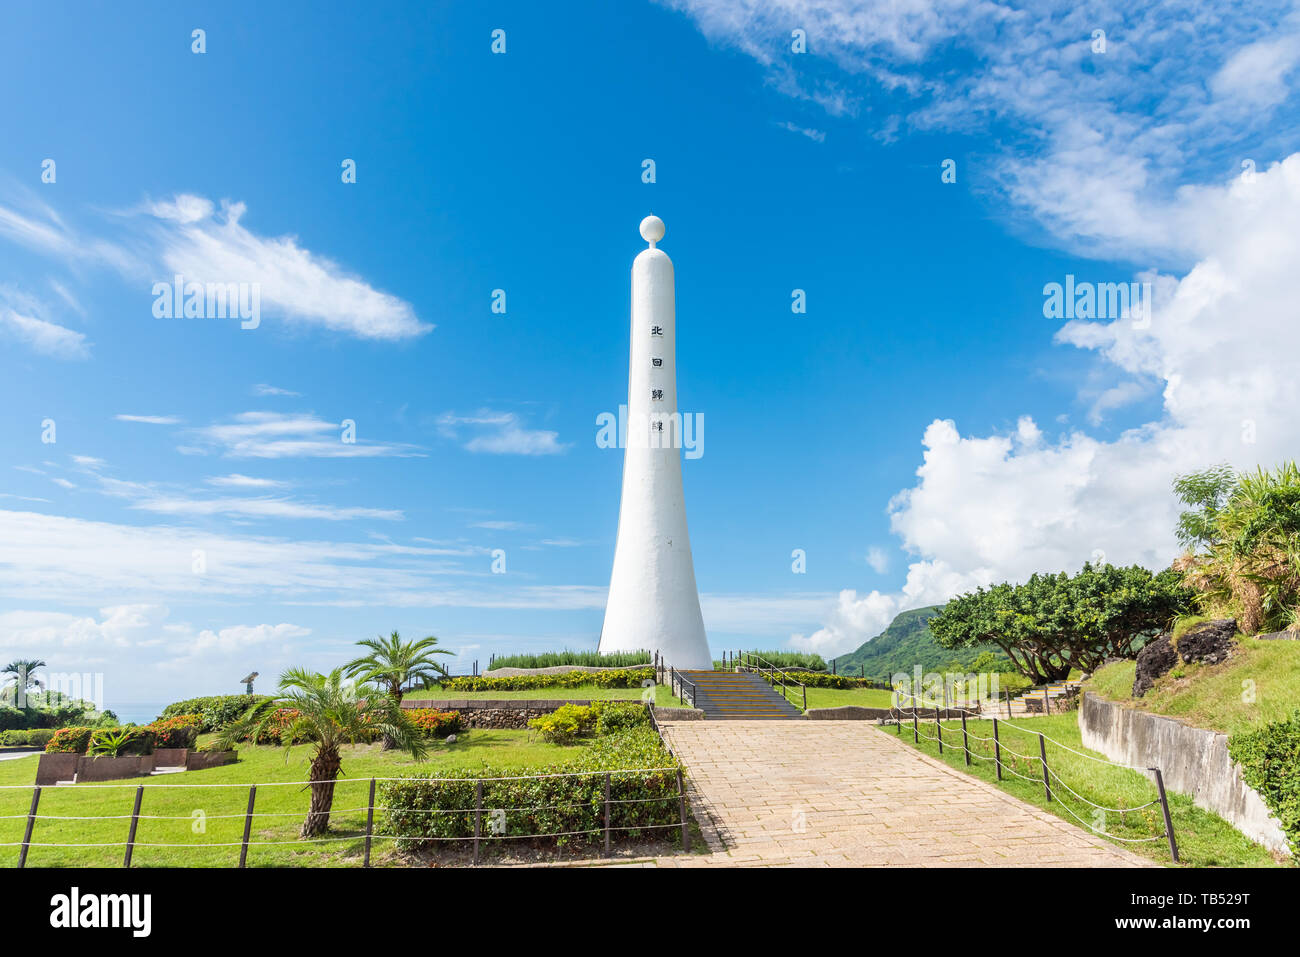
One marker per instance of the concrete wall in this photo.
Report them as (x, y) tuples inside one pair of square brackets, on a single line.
[(1193, 761)]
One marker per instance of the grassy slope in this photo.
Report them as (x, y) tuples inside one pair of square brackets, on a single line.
[(1216, 696), (280, 810), (906, 643), (1204, 839)]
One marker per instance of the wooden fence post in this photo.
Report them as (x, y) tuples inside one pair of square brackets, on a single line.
[(370, 821), (997, 749), (965, 741), (1164, 806), (135, 819), (31, 823), (607, 815), (478, 814), (1042, 751), (681, 804), (916, 730), (248, 826), (938, 729)]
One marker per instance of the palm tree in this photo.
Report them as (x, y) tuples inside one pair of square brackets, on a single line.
[(331, 713), (393, 663), (23, 670)]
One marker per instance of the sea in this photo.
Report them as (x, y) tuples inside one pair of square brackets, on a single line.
[(136, 712)]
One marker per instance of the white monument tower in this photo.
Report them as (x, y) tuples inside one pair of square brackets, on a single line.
[(653, 603)]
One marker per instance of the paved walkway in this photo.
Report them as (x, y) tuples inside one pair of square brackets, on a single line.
[(846, 793)]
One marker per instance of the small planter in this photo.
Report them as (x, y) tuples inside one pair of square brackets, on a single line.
[(202, 760), (56, 766), (171, 757), (113, 769)]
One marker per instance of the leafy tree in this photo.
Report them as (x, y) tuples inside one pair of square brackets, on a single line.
[(394, 664), (1206, 493), (331, 713), (23, 671), (1054, 622), (1250, 569)]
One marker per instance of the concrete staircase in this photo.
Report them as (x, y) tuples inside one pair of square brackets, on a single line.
[(738, 695), (1020, 706)]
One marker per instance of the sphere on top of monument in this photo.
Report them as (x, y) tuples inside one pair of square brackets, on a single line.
[(652, 230)]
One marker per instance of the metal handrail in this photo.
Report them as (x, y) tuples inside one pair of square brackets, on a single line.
[(746, 657), (675, 676)]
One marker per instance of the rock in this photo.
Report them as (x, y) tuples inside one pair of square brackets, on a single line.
[(1154, 660), (451, 739), (1209, 642)]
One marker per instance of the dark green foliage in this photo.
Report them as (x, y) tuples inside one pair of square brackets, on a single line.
[(35, 738), (626, 678), (590, 659), (1052, 623), (1270, 763), (442, 807), (214, 711)]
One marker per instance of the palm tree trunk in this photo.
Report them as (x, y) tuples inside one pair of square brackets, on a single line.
[(324, 771)]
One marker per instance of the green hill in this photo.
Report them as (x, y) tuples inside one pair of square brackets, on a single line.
[(906, 643)]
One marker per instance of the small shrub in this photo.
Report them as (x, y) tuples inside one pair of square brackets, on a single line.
[(39, 737), (1270, 763), (627, 678), (565, 724), (181, 731), (117, 742), (435, 724), (214, 711), (73, 740)]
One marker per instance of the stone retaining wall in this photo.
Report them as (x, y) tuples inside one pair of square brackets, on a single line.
[(1193, 761)]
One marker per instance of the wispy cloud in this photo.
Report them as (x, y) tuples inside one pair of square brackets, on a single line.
[(276, 435), (28, 320), (235, 480), (262, 389), (149, 419), (499, 433)]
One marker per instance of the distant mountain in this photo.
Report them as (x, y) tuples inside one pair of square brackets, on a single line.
[(907, 642)]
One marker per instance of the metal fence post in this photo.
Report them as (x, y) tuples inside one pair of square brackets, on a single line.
[(248, 826), (31, 823), (370, 821), (1164, 806), (681, 803), (938, 729), (997, 749), (607, 810), (965, 741), (916, 730), (478, 814), (135, 819), (1042, 751)]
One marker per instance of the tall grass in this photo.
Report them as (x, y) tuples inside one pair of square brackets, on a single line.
[(552, 659), (783, 659)]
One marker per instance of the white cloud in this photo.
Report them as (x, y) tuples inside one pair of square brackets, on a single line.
[(262, 389), (42, 336), (275, 435), (209, 246), (235, 480), (149, 419), (878, 559), (500, 433)]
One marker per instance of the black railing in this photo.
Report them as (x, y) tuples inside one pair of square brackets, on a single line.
[(752, 662), (682, 687)]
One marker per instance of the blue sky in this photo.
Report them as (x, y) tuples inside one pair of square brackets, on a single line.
[(923, 428)]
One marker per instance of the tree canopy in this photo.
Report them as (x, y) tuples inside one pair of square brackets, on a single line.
[(1054, 622)]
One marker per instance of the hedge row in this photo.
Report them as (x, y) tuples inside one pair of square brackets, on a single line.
[(178, 732), (572, 721), (566, 810), (625, 678), (214, 711), (35, 738), (1270, 763)]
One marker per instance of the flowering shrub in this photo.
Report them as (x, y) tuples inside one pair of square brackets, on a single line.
[(181, 731), (624, 678), (73, 740), (433, 723), (569, 722)]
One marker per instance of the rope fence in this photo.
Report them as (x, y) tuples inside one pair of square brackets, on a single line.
[(1048, 774), (604, 805)]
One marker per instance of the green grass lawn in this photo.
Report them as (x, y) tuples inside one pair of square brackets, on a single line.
[(838, 698), (663, 695), (194, 814), (1260, 683), (1204, 839)]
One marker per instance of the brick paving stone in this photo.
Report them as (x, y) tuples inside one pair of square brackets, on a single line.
[(844, 794)]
